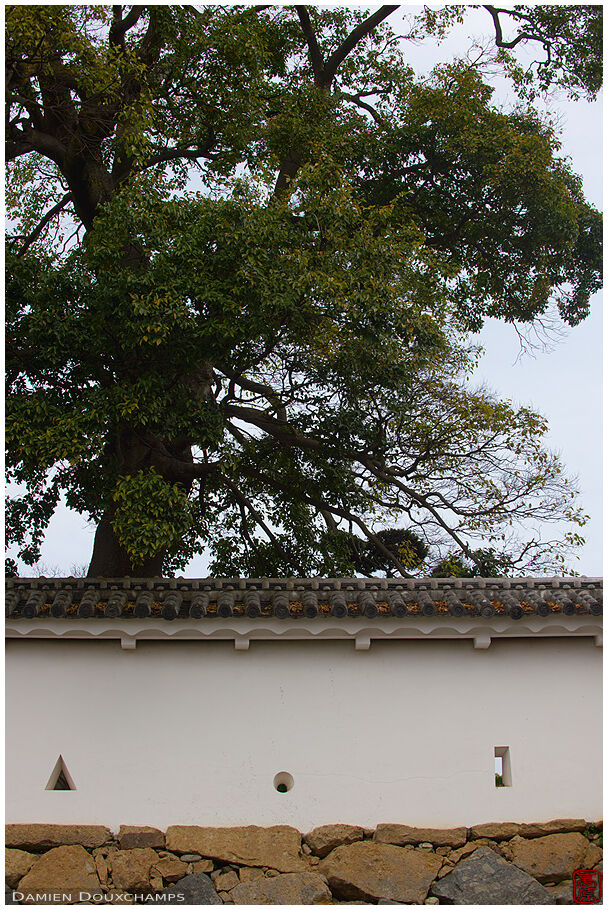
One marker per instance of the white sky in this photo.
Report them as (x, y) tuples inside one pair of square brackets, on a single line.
[(564, 383)]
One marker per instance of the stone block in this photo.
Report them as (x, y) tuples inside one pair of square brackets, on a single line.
[(171, 869), (67, 871), (132, 836), (486, 878), (324, 839), (277, 847), (399, 835), (371, 871), (225, 881), (131, 869), (16, 864), (495, 830), (557, 826), (45, 837), (552, 858), (248, 875), (193, 889), (286, 889)]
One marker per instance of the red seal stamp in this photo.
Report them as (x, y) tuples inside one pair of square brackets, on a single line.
[(587, 886)]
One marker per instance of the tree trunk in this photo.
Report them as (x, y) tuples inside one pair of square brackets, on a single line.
[(137, 450), (111, 560)]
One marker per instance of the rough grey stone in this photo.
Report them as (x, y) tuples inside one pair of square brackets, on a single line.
[(9, 897), (486, 878), (190, 857), (196, 888), (139, 836), (365, 870)]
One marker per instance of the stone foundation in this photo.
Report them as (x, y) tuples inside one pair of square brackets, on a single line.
[(486, 864)]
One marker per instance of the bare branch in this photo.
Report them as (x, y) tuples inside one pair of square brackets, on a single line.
[(245, 501), (335, 510), (33, 236)]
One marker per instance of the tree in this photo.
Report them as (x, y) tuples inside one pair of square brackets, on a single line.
[(272, 359)]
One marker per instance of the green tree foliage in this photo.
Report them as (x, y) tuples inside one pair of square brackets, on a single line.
[(246, 247)]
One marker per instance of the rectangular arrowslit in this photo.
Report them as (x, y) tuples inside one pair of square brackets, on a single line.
[(502, 766)]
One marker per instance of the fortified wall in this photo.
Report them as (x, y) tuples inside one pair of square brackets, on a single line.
[(322, 740)]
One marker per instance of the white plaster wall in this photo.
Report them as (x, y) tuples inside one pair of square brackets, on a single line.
[(194, 732)]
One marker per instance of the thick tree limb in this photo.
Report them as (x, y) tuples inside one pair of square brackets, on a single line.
[(280, 429), (151, 43), (288, 170), (314, 51), (35, 112), (27, 139), (324, 74), (361, 31), (522, 36), (267, 392), (120, 26)]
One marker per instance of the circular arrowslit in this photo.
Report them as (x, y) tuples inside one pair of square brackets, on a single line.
[(283, 781)]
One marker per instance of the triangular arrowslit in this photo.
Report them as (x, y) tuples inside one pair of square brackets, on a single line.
[(60, 778)]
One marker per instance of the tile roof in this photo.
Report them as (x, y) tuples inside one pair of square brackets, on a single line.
[(292, 598)]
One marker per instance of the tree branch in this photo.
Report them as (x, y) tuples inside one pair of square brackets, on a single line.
[(324, 74), (356, 99), (314, 50), (279, 429), (324, 507), (245, 501), (33, 236), (173, 154), (27, 139), (523, 36), (287, 171), (361, 31), (267, 392), (120, 26)]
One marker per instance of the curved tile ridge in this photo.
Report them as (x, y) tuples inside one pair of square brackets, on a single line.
[(283, 598)]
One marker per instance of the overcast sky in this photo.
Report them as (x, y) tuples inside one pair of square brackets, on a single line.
[(563, 383)]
